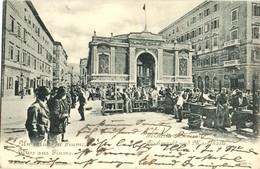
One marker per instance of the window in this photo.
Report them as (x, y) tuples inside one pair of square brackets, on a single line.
[(28, 60), (215, 41), (255, 32), (18, 30), (34, 63), (215, 24), (199, 47), (234, 15), (206, 12), (177, 29), (188, 24), (193, 20), (11, 52), (206, 27), (11, 24), (24, 58), (256, 9), (173, 31), (234, 35), (187, 36), (24, 35), (199, 30), (215, 7), (200, 15), (17, 56), (9, 84), (193, 34), (207, 44)]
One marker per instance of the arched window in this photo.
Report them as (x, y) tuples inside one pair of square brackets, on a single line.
[(206, 82), (183, 67), (200, 83), (103, 66), (215, 83)]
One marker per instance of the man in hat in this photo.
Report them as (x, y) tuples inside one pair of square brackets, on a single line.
[(37, 123), (59, 113)]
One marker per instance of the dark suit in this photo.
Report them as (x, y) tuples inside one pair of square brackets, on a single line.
[(58, 115)]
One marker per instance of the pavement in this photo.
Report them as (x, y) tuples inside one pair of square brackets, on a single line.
[(111, 139), (14, 110)]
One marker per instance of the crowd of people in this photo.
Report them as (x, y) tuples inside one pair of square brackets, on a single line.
[(173, 101), (48, 116)]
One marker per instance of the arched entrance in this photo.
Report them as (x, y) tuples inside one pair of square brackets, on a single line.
[(145, 70)]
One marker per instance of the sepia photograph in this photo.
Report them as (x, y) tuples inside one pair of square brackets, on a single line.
[(130, 84)]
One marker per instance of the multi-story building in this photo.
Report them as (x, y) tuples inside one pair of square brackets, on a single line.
[(27, 48), (225, 37), (60, 65), (83, 71)]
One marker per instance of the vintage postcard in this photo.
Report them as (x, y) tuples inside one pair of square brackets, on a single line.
[(130, 84)]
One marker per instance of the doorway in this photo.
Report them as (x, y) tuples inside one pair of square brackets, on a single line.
[(145, 70)]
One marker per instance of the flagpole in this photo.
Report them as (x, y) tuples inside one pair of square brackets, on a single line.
[(145, 19)]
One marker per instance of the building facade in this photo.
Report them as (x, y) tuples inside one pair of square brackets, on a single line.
[(27, 49), (60, 65), (140, 59), (83, 71), (225, 38)]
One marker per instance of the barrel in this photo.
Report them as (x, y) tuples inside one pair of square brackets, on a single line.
[(194, 121)]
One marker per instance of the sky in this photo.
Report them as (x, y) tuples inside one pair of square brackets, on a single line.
[(73, 22)]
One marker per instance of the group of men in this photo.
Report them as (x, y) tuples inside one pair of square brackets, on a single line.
[(48, 116)]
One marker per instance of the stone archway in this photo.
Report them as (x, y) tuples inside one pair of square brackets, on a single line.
[(145, 70)]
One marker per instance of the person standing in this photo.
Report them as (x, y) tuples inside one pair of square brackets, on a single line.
[(37, 123), (58, 116), (239, 102), (179, 107), (127, 102), (222, 115), (82, 102)]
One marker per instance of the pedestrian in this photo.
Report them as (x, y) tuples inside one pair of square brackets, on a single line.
[(154, 97), (239, 102), (179, 107), (127, 102), (82, 102), (222, 119), (58, 117), (37, 123)]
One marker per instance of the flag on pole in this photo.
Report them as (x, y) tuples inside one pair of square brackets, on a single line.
[(144, 7)]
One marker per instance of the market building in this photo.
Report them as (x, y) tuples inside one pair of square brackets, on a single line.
[(27, 49), (225, 38), (140, 59)]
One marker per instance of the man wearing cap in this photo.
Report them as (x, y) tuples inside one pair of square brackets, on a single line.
[(37, 123), (58, 116)]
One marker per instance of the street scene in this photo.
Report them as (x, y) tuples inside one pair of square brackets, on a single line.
[(142, 87)]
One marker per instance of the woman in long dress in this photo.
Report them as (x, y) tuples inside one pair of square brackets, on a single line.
[(222, 115)]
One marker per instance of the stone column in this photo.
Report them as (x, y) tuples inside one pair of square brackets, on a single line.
[(176, 52), (95, 61), (160, 64), (132, 64), (112, 61), (189, 65)]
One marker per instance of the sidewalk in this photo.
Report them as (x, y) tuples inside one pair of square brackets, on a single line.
[(17, 98)]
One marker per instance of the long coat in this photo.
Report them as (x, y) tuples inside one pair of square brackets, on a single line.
[(58, 108)]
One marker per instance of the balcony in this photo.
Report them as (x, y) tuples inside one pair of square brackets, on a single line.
[(206, 50), (231, 63), (231, 43)]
